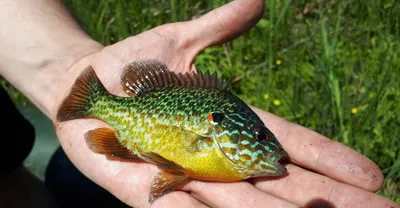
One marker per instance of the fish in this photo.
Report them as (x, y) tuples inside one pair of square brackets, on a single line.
[(190, 125)]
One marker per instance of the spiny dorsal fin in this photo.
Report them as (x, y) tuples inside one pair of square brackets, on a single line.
[(150, 75)]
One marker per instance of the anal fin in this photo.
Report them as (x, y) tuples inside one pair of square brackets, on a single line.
[(104, 141)]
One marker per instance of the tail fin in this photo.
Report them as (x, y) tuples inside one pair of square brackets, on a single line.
[(84, 93)]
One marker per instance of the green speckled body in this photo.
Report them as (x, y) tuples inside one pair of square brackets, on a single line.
[(182, 108), (174, 123)]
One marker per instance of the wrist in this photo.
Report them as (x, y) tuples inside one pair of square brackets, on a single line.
[(56, 75), (40, 41), (44, 79)]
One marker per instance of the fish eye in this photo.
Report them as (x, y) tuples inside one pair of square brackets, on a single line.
[(215, 118), (261, 134), (261, 137)]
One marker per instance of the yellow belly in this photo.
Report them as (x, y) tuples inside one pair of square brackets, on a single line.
[(179, 146), (205, 164)]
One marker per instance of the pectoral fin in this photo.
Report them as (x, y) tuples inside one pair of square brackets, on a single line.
[(166, 182), (105, 141)]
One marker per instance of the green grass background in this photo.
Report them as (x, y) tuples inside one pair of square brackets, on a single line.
[(332, 66)]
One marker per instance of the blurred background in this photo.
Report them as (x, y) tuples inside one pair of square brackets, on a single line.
[(331, 66)]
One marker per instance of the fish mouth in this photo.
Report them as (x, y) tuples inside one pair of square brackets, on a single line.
[(280, 169), (275, 168)]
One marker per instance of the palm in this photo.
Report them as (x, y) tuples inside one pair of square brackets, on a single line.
[(177, 46)]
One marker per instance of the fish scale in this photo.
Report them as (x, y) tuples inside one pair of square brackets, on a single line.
[(190, 125), (121, 112)]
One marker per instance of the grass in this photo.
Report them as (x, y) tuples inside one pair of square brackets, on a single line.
[(331, 66)]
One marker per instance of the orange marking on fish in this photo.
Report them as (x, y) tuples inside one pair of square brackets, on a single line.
[(210, 117), (242, 147), (245, 157), (231, 151)]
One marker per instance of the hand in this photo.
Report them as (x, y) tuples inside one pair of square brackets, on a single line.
[(320, 169)]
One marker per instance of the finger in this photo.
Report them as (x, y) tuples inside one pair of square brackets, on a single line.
[(309, 189), (177, 199), (233, 194), (220, 25), (132, 182), (311, 150)]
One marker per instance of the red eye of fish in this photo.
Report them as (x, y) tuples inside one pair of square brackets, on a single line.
[(215, 117)]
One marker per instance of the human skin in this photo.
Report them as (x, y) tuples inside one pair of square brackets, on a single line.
[(44, 50)]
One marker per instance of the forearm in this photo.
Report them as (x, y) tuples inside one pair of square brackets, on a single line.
[(39, 40)]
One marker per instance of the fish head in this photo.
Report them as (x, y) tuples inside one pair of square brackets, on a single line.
[(250, 146)]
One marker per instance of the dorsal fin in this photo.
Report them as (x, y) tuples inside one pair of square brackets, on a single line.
[(150, 75)]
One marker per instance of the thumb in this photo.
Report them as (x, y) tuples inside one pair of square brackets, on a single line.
[(222, 24)]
